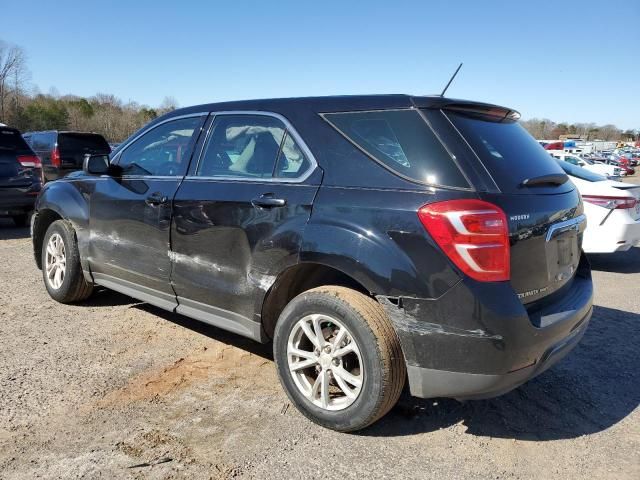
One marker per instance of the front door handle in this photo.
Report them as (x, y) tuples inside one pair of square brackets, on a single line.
[(268, 201), (156, 199)]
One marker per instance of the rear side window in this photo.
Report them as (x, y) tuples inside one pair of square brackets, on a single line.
[(11, 140), (73, 143), (403, 142), (506, 149)]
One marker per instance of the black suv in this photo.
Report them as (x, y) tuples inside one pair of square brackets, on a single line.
[(20, 176), (374, 239), (63, 152)]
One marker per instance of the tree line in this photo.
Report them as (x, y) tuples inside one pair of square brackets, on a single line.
[(550, 130), (22, 106)]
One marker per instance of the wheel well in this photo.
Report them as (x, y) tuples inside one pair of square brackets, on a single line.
[(41, 224), (298, 279)]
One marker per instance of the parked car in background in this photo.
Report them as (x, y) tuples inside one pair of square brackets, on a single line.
[(62, 152), (373, 239), (623, 163), (610, 171), (612, 210), (20, 176)]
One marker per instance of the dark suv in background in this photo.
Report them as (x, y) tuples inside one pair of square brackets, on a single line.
[(373, 239), (63, 152), (20, 176)]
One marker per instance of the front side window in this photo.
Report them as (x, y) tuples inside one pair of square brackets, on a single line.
[(242, 146), (162, 151), (403, 142)]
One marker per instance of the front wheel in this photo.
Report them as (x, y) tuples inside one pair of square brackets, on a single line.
[(339, 358), (61, 269)]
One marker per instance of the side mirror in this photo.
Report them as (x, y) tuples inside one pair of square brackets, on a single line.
[(96, 164)]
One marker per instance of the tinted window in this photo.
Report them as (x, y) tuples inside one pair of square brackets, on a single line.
[(402, 141), (11, 140), (506, 149), (73, 143), (580, 172), (242, 146), (292, 162), (163, 151), (39, 141)]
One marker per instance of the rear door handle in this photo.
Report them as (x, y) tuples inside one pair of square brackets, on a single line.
[(267, 201), (156, 199)]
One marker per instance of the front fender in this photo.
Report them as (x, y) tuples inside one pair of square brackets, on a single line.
[(69, 201)]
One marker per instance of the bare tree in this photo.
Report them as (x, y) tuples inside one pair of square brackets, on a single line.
[(12, 68)]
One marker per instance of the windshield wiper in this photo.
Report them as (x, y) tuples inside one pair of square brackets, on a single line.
[(553, 179)]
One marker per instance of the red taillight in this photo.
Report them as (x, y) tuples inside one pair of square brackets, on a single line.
[(474, 234), (55, 157), (611, 203), (29, 161)]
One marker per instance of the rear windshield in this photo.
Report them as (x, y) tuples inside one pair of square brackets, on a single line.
[(403, 142), (579, 172), (506, 149), (11, 139), (70, 143)]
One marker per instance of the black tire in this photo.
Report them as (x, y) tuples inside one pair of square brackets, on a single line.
[(21, 221), (379, 346), (74, 287)]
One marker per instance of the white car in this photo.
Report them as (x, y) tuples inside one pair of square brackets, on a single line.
[(599, 168), (612, 210)]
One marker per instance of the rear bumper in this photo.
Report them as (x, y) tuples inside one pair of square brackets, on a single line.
[(16, 202), (479, 341), (613, 236), (429, 383)]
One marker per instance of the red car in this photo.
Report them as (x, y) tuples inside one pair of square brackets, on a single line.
[(623, 162)]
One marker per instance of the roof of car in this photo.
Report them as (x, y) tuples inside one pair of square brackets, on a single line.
[(336, 103)]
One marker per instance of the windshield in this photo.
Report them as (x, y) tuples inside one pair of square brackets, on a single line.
[(580, 172)]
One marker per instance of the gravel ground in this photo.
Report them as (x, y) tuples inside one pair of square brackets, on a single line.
[(115, 388)]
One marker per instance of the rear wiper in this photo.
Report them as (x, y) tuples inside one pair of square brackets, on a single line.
[(553, 179)]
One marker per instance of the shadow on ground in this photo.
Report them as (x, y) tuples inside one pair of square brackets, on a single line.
[(8, 230), (619, 262)]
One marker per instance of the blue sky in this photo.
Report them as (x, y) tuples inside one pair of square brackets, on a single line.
[(564, 60)]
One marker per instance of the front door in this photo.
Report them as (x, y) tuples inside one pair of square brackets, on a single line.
[(130, 214), (239, 217)]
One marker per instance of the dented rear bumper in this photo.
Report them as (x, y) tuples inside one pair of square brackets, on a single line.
[(479, 341)]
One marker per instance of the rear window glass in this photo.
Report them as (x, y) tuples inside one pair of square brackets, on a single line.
[(71, 143), (12, 140), (580, 172), (403, 142), (506, 149)]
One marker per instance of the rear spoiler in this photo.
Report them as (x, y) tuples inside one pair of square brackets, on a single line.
[(490, 112)]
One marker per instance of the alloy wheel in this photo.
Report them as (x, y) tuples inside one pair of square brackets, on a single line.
[(55, 261), (325, 362)]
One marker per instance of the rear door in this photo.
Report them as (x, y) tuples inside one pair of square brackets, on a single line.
[(543, 207), (130, 211), (239, 217)]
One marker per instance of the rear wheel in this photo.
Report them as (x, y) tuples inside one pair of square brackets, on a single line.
[(61, 267), (21, 220), (339, 358)]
